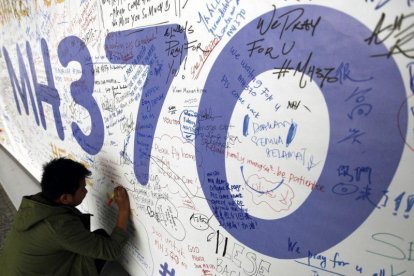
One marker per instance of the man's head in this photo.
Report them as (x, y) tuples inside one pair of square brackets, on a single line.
[(63, 181)]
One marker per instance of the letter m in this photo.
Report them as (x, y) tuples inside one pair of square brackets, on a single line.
[(20, 89)]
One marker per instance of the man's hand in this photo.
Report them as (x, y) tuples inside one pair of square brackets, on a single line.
[(122, 200)]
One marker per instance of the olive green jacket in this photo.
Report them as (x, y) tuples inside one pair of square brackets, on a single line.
[(49, 239)]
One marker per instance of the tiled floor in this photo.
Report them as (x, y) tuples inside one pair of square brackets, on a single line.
[(7, 212)]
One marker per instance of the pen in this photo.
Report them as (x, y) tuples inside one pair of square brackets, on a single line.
[(111, 199)]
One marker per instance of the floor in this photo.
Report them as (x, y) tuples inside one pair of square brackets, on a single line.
[(10, 170), (7, 212)]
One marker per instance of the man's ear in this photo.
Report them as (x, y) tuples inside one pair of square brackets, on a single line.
[(65, 199)]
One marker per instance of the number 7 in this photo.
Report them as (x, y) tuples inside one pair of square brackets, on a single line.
[(164, 52)]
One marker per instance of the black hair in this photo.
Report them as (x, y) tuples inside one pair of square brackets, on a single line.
[(62, 176)]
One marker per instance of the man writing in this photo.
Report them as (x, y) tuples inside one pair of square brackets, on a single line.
[(50, 236)]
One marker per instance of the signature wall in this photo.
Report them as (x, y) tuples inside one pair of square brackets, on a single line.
[(254, 138)]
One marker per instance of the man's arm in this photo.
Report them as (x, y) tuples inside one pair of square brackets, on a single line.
[(72, 236)]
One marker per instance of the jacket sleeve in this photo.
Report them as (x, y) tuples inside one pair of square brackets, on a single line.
[(71, 235)]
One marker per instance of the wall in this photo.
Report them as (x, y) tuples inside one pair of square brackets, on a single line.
[(254, 138), (15, 180)]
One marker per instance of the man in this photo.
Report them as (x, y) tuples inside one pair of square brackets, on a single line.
[(50, 236)]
